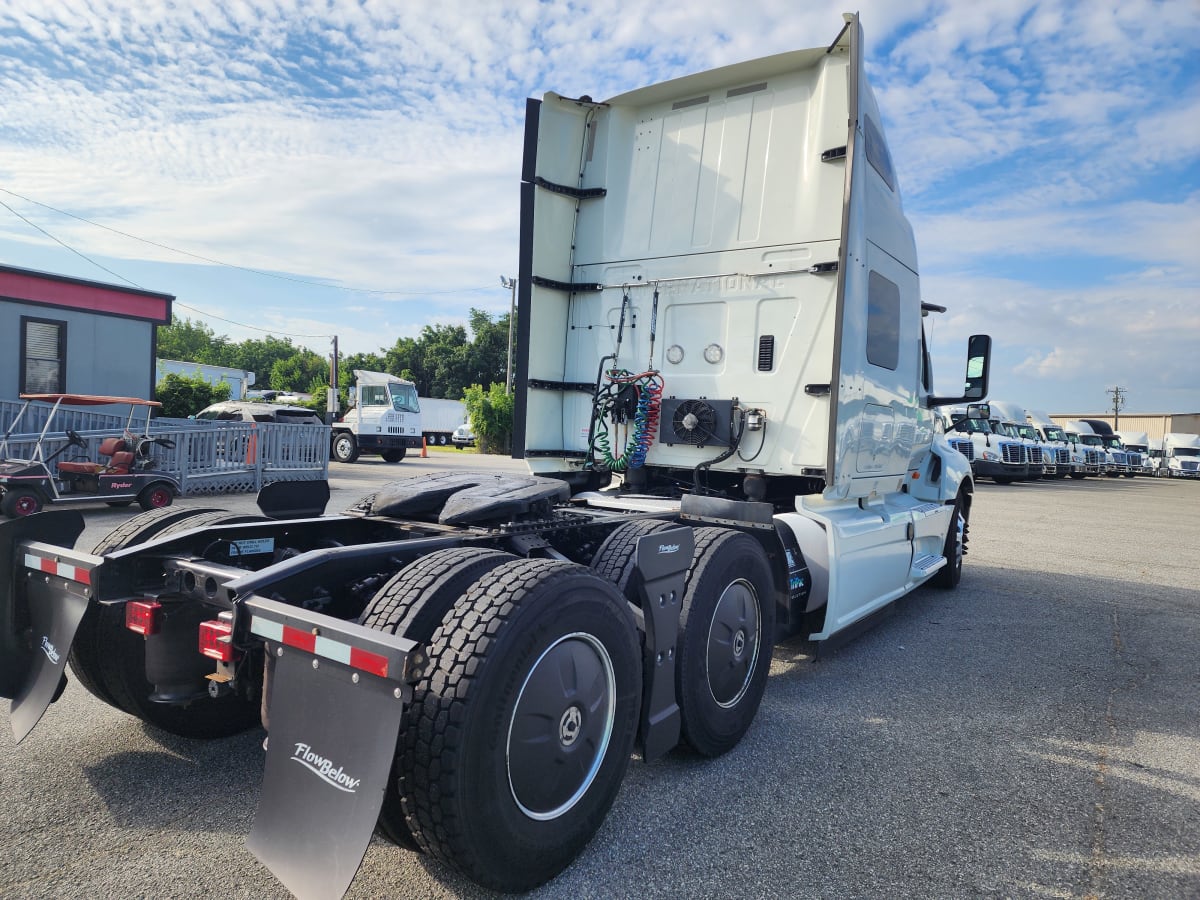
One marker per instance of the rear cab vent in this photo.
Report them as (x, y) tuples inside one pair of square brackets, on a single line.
[(766, 353)]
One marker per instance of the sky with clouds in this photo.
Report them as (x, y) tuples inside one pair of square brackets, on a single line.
[(367, 154)]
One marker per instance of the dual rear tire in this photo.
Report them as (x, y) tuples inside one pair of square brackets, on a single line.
[(726, 628), (109, 660), (524, 719)]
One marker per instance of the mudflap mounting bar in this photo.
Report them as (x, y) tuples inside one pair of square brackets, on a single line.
[(337, 699), (663, 559)]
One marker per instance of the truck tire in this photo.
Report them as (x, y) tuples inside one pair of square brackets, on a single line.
[(115, 659), (344, 448), (20, 503), (615, 558), (955, 545), (412, 604), (394, 456), (84, 658), (726, 630), (510, 768)]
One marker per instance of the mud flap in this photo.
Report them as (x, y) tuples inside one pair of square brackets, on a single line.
[(330, 751), (61, 527), (55, 616)]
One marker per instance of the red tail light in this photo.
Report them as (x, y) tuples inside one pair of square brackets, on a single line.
[(143, 616), (216, 640)]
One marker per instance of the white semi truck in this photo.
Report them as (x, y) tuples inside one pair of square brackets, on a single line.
[(1113, 464), (992, 454), (771, 418), (1082, 461), (384, 418), (1181, 455), (1122, 461), (1041, 454), (1137, 446)]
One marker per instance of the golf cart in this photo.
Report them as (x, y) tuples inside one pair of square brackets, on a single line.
[(125, 473)]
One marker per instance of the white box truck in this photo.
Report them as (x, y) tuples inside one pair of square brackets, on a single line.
[(440, 418), (467, 660)]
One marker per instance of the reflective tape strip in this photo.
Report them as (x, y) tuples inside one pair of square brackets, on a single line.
[(338, 651), (61, 569)]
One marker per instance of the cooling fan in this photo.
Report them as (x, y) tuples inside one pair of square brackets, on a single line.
[(694, 422)]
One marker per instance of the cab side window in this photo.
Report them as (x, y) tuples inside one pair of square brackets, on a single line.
[(883, 322), (375, 395)]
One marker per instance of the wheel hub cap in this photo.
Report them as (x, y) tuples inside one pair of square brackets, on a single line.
[(561, 726), (733, 643), (570, 725), (739, 643)]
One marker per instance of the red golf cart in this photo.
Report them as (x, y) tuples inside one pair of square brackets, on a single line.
[(126, 471)]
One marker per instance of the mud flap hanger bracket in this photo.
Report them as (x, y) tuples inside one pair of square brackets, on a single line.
[(663, 559)]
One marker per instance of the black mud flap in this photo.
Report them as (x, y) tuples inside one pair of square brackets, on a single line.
[(331, 747), (61, 527), (55, 616), (663, 559)]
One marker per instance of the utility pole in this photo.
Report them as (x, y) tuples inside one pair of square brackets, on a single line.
[(511, 284), (331, 397), (1118, 401)]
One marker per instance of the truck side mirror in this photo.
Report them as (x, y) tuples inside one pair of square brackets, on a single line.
[(979, 411), (979, 353), (979, 359)]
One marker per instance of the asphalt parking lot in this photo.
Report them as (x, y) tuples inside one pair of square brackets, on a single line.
[(1035, 733)]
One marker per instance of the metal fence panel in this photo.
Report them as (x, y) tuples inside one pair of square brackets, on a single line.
[(80, 420), (211, 457)]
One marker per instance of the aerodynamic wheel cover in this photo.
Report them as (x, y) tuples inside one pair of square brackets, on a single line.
[(561, 726), (734, 639)]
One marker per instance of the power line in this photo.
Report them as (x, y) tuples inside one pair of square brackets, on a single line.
[(215, 262), (255, 327), (66, 245), (201, 312)]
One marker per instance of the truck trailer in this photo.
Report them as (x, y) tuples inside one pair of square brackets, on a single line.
[(726, 405), (440, 418)]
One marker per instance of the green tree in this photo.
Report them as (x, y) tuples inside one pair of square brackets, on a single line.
[(488, 352), (491, 414), (368, 362), (185, 395), (298, 371), (260, 355), (404, 358), (436, 361), (191, 342)]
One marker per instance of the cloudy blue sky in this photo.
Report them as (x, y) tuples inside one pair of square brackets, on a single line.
[(367, 154)]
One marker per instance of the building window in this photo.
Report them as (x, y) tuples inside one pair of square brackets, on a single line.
[(883, 322), (43, 356)]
